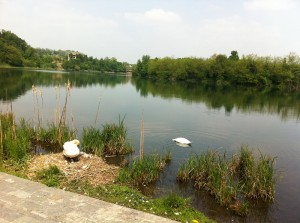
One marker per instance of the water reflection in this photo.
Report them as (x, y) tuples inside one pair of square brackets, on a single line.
[(209, 117), (16, 82), (285, 104)]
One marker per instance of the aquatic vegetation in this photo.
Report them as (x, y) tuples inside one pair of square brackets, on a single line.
[(114, 137), (142, 171), (14, 139), (257, 177), (92, 141), (53, 133), (112, 140), (232, 181)]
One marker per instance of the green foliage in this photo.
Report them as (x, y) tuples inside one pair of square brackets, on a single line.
[(53, 133), (258, 179), (51, 176), (174, 202), (114, 138), (170, 206), (142, 172), (83, 62), (233, 180), (234, 55), (220, 70), (15, 139), (142, 66), (92, 141), (15, 51)]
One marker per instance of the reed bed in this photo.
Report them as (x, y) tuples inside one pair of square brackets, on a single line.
[(257, 177), (142, 172), (111, 141), (17, 140), (114, 137), (55, 135), (14, 139), (232, 181), (92, 141)]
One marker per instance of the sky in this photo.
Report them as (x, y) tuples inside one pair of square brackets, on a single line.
[(129, 29)]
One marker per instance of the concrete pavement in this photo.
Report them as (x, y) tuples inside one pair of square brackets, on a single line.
[(25, 201)]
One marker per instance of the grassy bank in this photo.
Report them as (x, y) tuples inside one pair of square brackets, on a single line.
[(171, 206)]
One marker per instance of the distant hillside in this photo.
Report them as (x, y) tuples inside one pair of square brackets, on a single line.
[(15, 52)]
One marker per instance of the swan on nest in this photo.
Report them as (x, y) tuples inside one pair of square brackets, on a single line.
[(71, 149)]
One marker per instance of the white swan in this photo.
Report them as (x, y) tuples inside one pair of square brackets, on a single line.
[(71, 149), (182, 141)]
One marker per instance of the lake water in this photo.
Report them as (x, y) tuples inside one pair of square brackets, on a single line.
[(210, 118)]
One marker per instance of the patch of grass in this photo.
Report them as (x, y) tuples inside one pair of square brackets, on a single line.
[(257, 176), (114, 138), (171, 206), (14, 168), (51, 176), (53, 133), (232, 181), (142, 172), (15, 140), (185, 171), (92, 141)]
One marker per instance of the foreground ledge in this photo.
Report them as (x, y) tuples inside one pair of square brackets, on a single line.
[(25, 201)]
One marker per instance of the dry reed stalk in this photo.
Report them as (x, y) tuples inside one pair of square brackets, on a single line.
[(34, 110), (1, 143), (142, 139), (97, 113), (38, 110), (72, 119), (7, 108), (57, 108), (13, 123), (42, 109), (62, 121)]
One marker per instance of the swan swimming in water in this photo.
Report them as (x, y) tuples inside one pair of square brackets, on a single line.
[(71, 149), (182, 141)]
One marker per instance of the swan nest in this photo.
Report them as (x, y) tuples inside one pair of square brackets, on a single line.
[(89, 168)]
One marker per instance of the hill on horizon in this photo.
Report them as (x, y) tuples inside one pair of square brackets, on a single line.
[(16, 52)]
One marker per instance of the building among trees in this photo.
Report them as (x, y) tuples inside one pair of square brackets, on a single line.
[(73, 55)]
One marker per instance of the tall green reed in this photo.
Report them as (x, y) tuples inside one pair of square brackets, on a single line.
[(111, 140), (92, 141), (15, 139), (114, 138), (232, 180), (142, 171)]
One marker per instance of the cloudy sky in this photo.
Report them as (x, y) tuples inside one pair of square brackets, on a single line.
[(128, 29)]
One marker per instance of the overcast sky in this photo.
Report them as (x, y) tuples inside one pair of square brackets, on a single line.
[(128, 29)]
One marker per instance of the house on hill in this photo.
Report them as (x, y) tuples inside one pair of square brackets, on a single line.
[(73, 55)]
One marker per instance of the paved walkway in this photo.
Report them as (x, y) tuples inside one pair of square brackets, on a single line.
[(26, 201)]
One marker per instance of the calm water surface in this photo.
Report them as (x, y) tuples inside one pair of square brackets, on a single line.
[(210, 118)]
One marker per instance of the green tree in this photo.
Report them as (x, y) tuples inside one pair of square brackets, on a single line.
[(234, 55)]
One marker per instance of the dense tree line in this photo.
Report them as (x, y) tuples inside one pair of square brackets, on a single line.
[(83, 62), (14, 51), (220, 70)]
